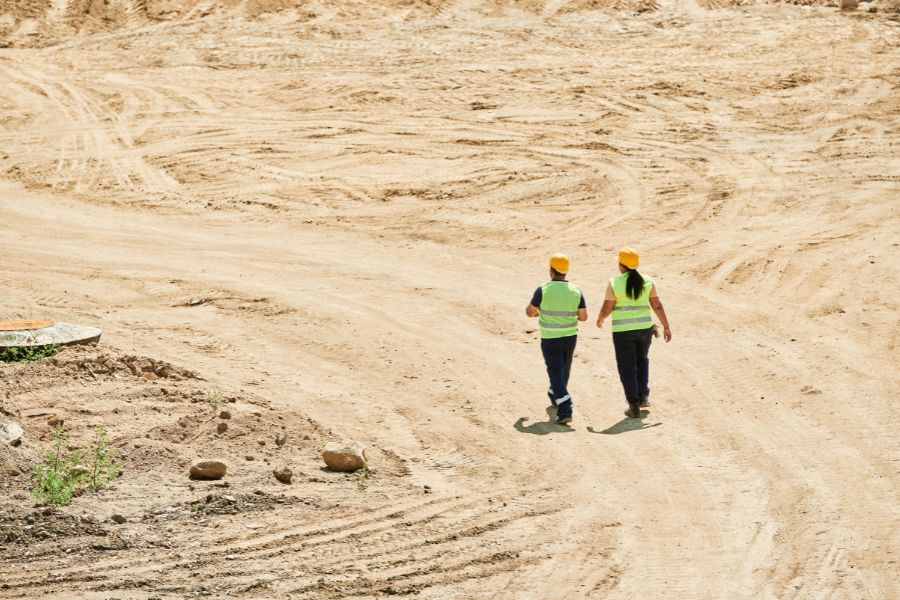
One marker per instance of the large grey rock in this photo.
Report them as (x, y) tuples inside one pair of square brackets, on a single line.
[(11, 433), (208, 469), (344, 457)]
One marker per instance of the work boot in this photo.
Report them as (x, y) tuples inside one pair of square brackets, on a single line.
[(564, 412), (645, 402), (634, 410)]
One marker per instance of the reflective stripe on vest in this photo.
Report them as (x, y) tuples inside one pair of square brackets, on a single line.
[(628, 314), (559, 309)]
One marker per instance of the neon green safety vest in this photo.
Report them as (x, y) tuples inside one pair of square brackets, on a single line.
[(629, 314), (559, 309)]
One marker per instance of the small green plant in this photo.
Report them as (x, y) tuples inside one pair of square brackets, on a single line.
[(54, 482), (103, 468), (64, 469), (362, 478), (215, 398), (14, 354), (197, 506)]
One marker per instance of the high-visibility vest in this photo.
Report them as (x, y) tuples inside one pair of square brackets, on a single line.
[(629, 314), (559, 309)]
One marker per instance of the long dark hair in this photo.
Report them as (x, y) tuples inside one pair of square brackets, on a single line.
[(634, 285)]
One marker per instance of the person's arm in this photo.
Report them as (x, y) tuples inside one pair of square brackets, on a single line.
[(533, 308), (605, 311), (582, 309), (656, 305), (609, 303)]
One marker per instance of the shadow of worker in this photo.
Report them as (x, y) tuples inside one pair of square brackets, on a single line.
[(542, 427), (627, 424)]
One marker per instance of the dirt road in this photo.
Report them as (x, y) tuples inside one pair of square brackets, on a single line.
[(343, 212)]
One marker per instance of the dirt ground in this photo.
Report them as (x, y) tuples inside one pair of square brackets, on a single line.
[(327, 218)]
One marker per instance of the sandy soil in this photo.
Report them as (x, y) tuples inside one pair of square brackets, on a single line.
[(329, 218)]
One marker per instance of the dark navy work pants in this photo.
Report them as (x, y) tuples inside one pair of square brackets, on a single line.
[(631, 358), (558, 353)]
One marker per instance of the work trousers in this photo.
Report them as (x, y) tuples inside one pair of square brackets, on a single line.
[(631, 358), (558, 353)]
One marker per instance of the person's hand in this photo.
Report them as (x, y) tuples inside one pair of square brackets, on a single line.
[(655, 331), (667, 334), (600, 323)]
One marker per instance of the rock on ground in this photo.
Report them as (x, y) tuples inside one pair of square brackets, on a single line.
[(78, 470), (208, 469), (283, 474), (344, 457), (11, 433)]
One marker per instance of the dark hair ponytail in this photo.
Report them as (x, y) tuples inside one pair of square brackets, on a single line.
[(634, 286)]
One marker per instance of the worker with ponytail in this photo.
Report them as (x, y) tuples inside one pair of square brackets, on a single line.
[(629, 298)]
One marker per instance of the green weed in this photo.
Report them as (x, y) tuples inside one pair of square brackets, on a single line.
[(215, 398), (362, 478), (101, 459), (13, 354), (66, 469)]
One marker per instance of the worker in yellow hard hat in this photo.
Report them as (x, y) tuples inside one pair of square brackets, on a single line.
[(559, 305), (629, 298)]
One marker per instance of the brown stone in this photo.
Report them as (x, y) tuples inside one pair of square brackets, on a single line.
[(283, 474), (344, 457), (55, 420), (224, 415), (222, 427), (208, 469)]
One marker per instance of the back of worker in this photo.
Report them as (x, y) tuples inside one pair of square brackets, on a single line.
[(631, 314), (559, 305), (630, 297)]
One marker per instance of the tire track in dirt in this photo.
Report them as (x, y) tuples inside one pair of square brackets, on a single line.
[(94, 146), (457, 528)]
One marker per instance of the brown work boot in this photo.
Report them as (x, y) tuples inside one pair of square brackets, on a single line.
[(634, 410), (645, 402)]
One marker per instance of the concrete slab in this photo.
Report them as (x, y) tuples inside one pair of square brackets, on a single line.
[(55, 333)]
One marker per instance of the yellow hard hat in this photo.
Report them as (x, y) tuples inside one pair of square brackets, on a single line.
[(560, 263), (629, 258)]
